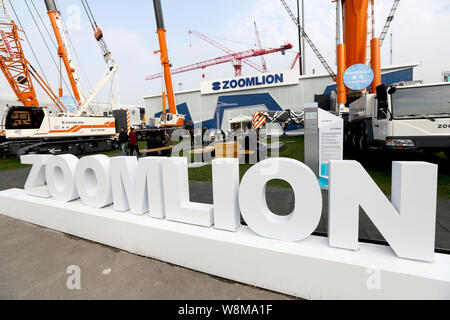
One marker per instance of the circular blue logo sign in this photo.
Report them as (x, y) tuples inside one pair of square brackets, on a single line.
[(69, 102), (358, 77)]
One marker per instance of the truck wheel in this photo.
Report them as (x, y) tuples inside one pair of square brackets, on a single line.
[(362, 143), (115, 146), (355, 141), (347, 138), (139, 136)]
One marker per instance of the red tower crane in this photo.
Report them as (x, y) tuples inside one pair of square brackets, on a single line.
[(258, 41), (236, 58), (228, 51)]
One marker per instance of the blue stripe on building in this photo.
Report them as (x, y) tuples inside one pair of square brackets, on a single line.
[(242, 101)]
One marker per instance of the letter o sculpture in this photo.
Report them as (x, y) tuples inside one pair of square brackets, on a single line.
[(92, 178), (305, 217), (59, 173)]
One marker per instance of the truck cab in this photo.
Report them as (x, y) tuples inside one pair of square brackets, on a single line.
[(402, 117)]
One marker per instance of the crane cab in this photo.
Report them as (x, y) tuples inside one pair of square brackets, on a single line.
[(170, 120), (24, 118), (38, 123)]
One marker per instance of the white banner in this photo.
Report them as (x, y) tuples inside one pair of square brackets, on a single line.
[(283, 78)]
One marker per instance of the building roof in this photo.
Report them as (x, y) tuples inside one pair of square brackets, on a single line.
[(312, 76)]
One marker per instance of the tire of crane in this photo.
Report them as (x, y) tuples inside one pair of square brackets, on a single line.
[(362, 143), (354, 140), (115, 145)]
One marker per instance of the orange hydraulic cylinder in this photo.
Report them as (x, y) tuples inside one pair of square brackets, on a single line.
[(355, 31), (341, 67), (61, 52), (375, 63), (166, 66)]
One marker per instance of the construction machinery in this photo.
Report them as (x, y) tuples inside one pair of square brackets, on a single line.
[(237, 64), (258, 42), (112, 69), (172, 118), (34, 129), (236, 58), (309, 41), (285, 117), (17, 70), (400, 117)]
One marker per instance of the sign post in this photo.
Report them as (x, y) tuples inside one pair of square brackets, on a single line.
[(312, 137), (331, 143), (324, 135)]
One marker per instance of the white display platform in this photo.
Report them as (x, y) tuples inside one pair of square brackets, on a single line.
[(308, 269)]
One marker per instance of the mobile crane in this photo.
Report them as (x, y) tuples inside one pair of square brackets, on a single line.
[(34, 129), (168, 121), (173, 118), (399, 117)]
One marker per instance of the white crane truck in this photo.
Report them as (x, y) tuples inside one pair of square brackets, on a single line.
[(398, 117)]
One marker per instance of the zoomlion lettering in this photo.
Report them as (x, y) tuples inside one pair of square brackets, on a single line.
[(249, 82), (158, 187)]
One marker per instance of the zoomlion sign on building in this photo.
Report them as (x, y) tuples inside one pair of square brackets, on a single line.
[(283, 78)]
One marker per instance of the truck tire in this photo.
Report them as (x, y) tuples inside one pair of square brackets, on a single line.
[(115, 145), (347, 138), (362, 143), (354, 140), (139, 136)]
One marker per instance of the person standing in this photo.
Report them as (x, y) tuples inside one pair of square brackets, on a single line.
[(134, 143), (191, 134), (123, 139), (206, 137), (167, 142)]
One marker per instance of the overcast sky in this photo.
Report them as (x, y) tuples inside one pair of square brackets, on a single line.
[(420, 29)]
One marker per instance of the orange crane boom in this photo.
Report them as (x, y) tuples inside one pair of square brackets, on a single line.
[(15, 66), (161, 31), (18, 71), (63, 50), (352, 17)]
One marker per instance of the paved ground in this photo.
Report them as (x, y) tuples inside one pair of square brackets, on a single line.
[(33, 260)]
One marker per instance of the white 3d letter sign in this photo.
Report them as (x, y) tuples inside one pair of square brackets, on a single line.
[(159, 188), (408, 224), (60, 173), (137, 186), (92, 178), (308, 200)]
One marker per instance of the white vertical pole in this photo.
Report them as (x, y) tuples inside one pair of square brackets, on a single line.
[(340, 28), (392, 43), (303, 39)]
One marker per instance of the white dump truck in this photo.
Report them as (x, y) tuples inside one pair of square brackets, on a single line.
[(401, 117)]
